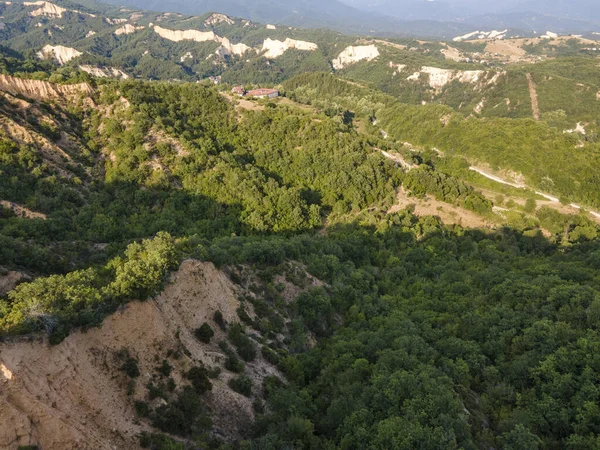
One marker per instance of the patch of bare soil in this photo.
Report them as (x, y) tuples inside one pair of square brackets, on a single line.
[(509, 48), (9, 280), (300, 281), (242, 103), (21, 211), (73, 395), (155, 137), (448, 214), (388, 44), (534, 97)]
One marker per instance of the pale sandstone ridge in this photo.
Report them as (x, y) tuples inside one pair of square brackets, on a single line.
[(73, 395), (438, 78), (185, 35), (353, 55), (60, 53), (494, 34), (104, 72), (47, 9), (114, 21), (218, 18), (226, 47), (275, 48), (42, 90), (127, 29)]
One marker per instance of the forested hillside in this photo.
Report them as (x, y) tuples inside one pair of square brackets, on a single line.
[(400, 251)]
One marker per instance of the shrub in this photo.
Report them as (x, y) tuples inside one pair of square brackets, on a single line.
[(180, 416), (244, 317), (165, 368), (219, 320), (204, 333), (130, 367), (241, 384), (156, 441), (142, 408), (198, 376), (232, 363), (243, 344)]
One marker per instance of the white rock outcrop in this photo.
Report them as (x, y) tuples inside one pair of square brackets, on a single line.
[(127, 29), (114, 21), (549, 35), (438, 78), (580, 128), (494, 34), (47, 9), (275, 48), (60, 53), (219, 18), (185, 35), (42, 90), (353, 55), (271, 27), (104, 72), (226, 48)]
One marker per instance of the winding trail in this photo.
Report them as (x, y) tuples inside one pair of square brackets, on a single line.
[(523, 186)]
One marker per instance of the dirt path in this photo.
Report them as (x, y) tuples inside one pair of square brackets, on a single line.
[(535, 106), (552, 201)]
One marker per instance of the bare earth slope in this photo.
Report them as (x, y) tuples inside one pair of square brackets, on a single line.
[(73, 395)]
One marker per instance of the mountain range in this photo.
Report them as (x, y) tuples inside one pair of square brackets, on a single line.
[(400, 17)]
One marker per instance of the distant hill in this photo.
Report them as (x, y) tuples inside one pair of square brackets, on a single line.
[(529, 16), (332, 14)]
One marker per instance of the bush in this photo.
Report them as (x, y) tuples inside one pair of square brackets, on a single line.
[(179, 417), (219, 320), (270, 356), (232, 363), (198, 376), (165, 368), (243, 344), (142, 408), (157, 441), (204, 333), (241, 384), (131, 368)]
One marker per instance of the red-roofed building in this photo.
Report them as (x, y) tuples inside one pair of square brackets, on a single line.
[(239, 90), (263, 93)]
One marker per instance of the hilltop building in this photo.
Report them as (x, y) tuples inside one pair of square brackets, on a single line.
[(263, 93)]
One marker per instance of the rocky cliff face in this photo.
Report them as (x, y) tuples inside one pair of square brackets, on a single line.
[(59, 53), (226, 48), (127, 29), (275, 48), (104, 72), (74, 395), (353, 55), (438, 78), (42, 90)]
